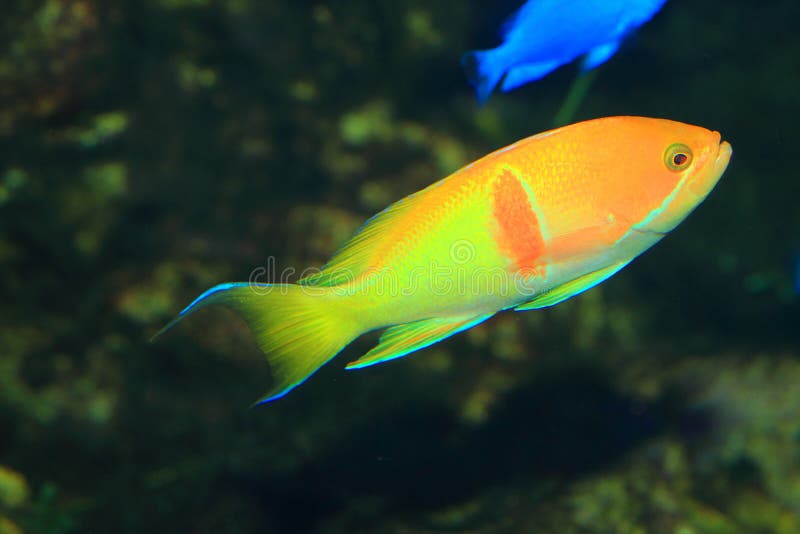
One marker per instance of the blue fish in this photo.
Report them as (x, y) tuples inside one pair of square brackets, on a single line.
[(545, 34)]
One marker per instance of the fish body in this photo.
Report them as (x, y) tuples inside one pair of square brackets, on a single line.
[(524, 227), (546, 34)]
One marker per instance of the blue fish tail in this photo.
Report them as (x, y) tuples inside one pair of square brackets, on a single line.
[(483, 72)]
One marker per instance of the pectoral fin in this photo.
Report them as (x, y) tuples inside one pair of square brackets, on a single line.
[(585, 242), (398, 341), (599, 55), (572, 288)]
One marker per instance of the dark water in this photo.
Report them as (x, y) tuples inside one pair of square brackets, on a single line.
[(149, 150)]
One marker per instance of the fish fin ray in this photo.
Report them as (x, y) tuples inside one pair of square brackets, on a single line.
[(298, 329), (571, 288), (355, 256), (209, 296), (401, 340), (583, 242)]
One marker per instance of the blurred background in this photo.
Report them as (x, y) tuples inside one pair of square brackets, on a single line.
[(151, 149)]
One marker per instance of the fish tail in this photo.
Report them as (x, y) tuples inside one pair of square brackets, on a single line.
[(299, 328), (484, 71)]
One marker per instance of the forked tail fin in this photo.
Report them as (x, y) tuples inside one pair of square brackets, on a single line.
[(483, 72), (299, 328)]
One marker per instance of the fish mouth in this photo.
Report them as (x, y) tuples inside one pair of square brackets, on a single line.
[(724, 154), (701, 186), (723, 158)]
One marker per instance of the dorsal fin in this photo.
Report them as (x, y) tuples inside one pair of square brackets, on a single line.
[(356, 255), (359, 253)]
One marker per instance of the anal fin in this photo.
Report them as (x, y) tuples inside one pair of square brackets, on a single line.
[(571, 288), (401, 340)]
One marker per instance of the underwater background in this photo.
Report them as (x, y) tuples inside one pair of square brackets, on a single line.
[(149, 150)]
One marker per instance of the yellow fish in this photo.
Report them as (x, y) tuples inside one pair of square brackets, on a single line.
[(526, 227)]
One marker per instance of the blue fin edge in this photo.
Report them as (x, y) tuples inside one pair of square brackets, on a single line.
[(201, 301)]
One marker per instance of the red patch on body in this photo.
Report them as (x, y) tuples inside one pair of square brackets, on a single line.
[(519, 236)]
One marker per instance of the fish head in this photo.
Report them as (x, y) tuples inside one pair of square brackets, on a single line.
[(665, 170)]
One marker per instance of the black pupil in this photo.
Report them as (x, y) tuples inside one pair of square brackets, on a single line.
[(679, 159)]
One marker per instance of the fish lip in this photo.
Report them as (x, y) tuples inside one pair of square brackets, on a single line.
[(724, 153), (720, 163)]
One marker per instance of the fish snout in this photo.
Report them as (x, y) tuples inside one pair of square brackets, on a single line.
[(702, 184)]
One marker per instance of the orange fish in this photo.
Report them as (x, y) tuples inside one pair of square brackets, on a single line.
[(526, 227)]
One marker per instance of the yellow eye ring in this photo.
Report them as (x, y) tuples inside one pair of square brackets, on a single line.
[(678, 157)]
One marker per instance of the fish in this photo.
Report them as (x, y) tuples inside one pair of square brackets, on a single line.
[(546, 34), (523, 228)]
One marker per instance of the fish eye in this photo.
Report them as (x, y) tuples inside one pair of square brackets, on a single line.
[(677, 157)]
